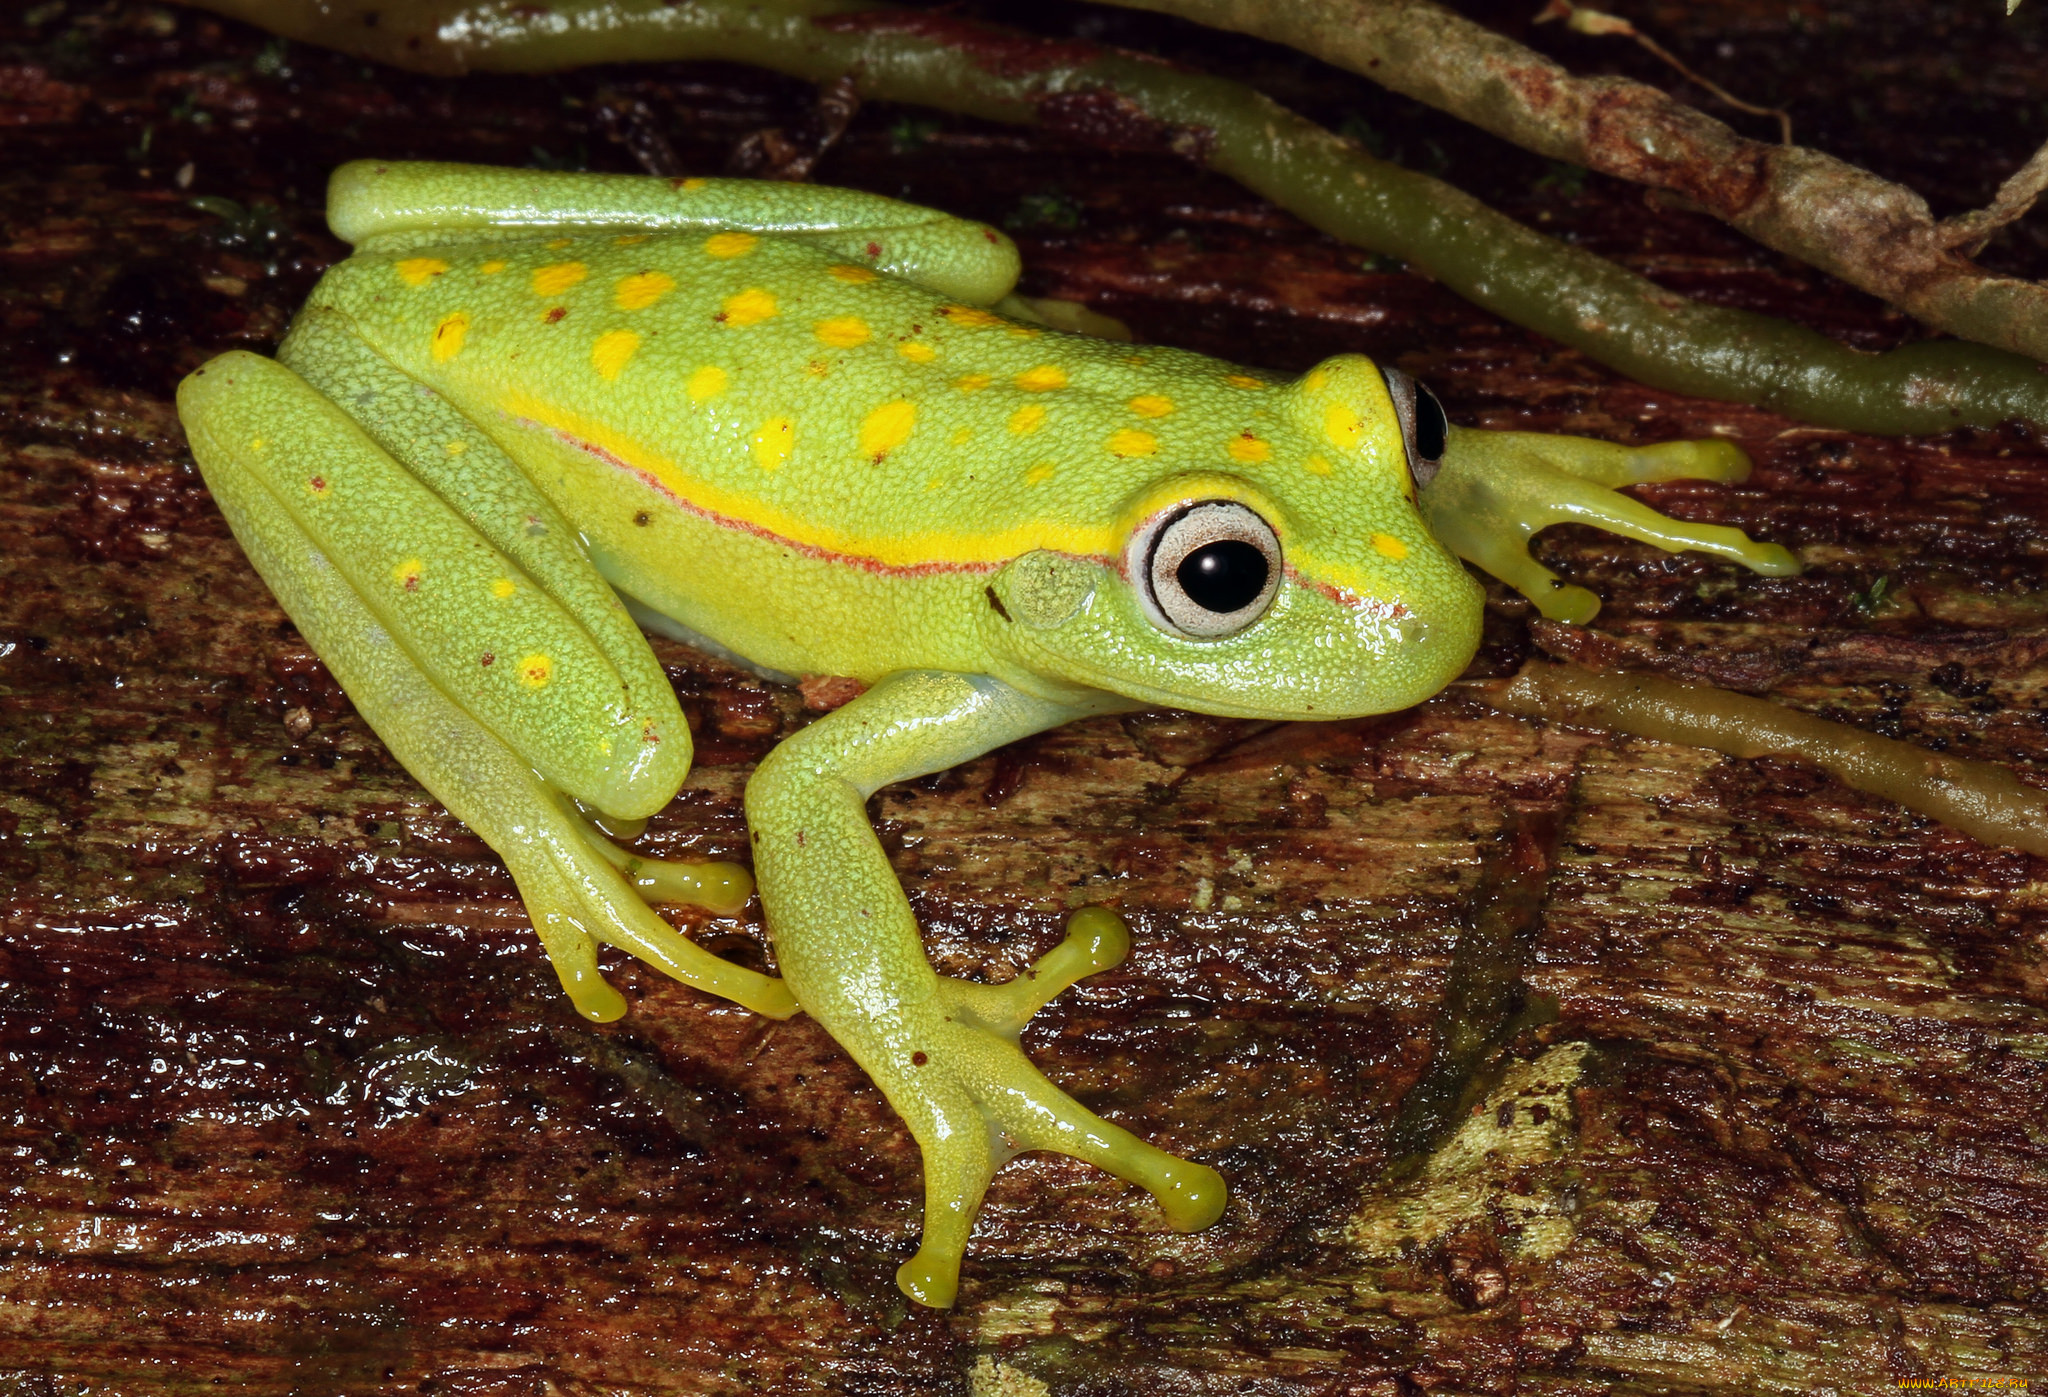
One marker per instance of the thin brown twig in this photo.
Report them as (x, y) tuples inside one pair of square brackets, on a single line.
[(1598, 23), (1875, 235), (1970, 231)]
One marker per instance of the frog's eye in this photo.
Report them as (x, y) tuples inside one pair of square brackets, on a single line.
[(1210, 570), (1424, 428)]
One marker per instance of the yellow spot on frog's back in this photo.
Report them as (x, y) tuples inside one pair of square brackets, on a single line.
[(971, 317), (962, 435), (418, 271), (1244, 381), (554, 279), (1131, 442), (407, 574), (1042, 379), (1039, 473), (641, 290), (557, 244), (749, 307), (706, 384), (694, 183), (455, 448), (917, 352), (1317, 380), (843, 331), (1387, 546), (448, 336), (972, 383), (613, 350), (851, 275), (257, 444), (535, 671), (729, 245), (1317, 465), (1151, 405), (503, 588), (887, 428), (630, 239), (774, 442), (1249, 449), (492, 267), (1343, 427), (1027, 419)]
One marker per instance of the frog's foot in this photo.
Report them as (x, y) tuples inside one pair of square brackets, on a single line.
[(581, 890), (1496, 490), (974, 1102), (604, 899)]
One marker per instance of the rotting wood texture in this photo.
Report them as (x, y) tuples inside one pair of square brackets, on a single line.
[(296, 1106)]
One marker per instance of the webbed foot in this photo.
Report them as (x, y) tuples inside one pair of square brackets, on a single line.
[(1496, 490), (979, 1103)]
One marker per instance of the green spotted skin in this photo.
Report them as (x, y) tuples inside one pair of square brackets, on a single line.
[(799, 424), (823, 466)]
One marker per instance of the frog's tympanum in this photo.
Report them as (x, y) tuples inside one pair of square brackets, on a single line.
[(811, 430)]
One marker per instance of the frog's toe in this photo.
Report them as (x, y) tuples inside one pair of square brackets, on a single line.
[(720, 888), (1505, 555), (1096, 940), (984, 1103)]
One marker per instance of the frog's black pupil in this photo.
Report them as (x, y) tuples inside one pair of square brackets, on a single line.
[(1432, 428), (1223, 576)]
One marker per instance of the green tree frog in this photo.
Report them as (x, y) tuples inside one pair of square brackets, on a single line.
[(809, 429)]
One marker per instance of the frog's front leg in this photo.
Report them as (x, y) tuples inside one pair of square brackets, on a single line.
[(1494, 491), (498, 676), (943, 1051)]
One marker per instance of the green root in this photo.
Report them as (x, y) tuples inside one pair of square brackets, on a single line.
[(1576, 298)]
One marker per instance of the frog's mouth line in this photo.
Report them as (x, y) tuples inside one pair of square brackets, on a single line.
[(863, 562)]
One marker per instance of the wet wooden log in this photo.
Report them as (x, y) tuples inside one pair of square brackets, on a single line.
[(1753, 1101)]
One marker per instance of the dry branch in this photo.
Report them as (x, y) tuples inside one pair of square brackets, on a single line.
[(1127, 101), (1877, 236)]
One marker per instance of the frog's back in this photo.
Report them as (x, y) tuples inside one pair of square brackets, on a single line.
[(801, 396)]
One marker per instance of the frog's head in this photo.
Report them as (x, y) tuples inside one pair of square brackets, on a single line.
[(1299, 583)]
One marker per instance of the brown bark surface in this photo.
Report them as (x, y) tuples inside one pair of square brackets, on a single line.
[(1745, 1090)]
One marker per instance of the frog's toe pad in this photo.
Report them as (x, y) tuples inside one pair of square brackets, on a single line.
[(718, 887)]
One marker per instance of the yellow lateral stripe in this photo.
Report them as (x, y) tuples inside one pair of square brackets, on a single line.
[(918, 550), (1367, 586)]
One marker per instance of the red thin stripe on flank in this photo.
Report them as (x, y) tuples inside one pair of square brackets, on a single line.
[(1392, 610), (808, 550)]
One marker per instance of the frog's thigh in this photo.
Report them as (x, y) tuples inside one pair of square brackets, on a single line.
[(454, 458), (259, 433), (943, 1051), (956, 257)]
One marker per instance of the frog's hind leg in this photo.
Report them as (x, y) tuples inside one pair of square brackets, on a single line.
[(503, 698), (1496, 490), (390, 199)]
